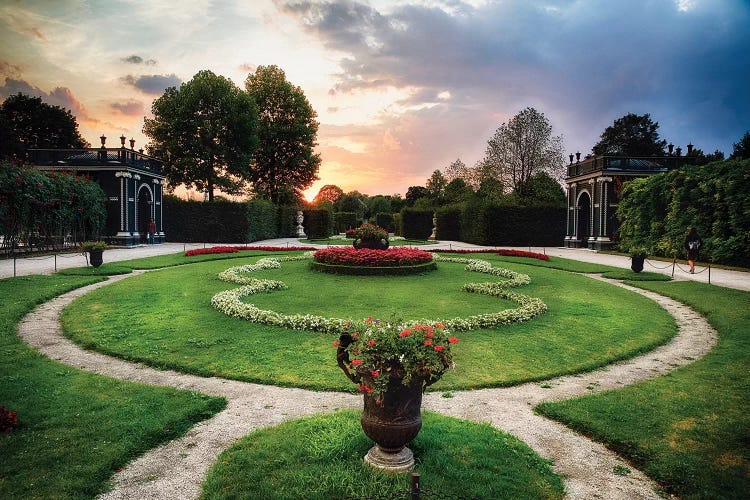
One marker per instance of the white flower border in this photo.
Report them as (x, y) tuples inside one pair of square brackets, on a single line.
[(230, 301)]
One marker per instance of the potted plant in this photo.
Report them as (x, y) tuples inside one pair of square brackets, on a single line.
[(393, 364), (94, 251), (637, 258), (371, 236)]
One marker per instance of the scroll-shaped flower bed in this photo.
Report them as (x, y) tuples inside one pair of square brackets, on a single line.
[(365, 261), (230, 301)]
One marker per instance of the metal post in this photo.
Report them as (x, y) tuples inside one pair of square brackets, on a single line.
[(14, 265), (709, 273), (414, 486), (55, 262), (674, 261)]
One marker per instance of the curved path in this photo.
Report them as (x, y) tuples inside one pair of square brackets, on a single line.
[(177, 469)]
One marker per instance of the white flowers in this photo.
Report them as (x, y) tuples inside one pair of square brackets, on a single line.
[(230, 301)]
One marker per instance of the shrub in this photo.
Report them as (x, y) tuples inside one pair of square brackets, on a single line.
[(205, 222), (416, 224), (385, 221), (262, 220), (287, 220), (316, 223), (448, 224), (211, 250), (344, 221)]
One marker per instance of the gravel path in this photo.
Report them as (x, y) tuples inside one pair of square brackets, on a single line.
[(176, 469)]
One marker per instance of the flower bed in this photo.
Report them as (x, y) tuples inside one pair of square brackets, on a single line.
[(348, 256), (369, 262), (211, 250), (230, 301), (504, 252)]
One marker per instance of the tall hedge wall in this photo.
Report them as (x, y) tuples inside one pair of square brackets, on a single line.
[(448, 224), (523, 226), (655, 213), (317, 223), (385, 221), (416, 224), (203, 222), (262, 218), (344, 221)]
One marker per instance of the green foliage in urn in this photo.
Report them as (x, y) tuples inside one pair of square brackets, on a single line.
[(88, 246), (385, 350)]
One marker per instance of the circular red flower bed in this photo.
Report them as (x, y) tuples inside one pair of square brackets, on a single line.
[(348, 260)]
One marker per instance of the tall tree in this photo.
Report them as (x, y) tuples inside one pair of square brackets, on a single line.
[(631, 135), (742, 148), (457, 170), (414, 193), (523, 147), (328, 194), (287, 131), (205, 132), (436, 187), (27, 122)]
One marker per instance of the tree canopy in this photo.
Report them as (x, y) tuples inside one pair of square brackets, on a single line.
[(742, 148), (27, 122), (523, 147), (205, 132), (631, 135), (328, 194), (287, 132)]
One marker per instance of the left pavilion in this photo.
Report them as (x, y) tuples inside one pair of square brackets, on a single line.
[(132, 182)]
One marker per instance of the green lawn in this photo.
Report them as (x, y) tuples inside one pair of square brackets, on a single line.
[(164, 318), (76, 428), (690, 429), (321, 457)]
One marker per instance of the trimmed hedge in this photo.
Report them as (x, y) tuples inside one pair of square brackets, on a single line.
[(448, 224), (374, 271), (344, 221), (416, 224), (287, 222), (317, 223), (524, 226), (385, 221), (263, 220), (204, 222)]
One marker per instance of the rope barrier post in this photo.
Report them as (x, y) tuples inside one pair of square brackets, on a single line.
[(414, 486), (55, 262), (709, 272), (14, 265), (183, 248), (674, 261)]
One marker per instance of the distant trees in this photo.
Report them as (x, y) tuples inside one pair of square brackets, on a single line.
[(523, 147), (742, 148), (329, 193), (287, 132), (27, 122), (205, 132), (631, 135)]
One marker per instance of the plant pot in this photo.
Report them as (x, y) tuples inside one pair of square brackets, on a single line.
[(95, 257), (636, 263), (392, 423)]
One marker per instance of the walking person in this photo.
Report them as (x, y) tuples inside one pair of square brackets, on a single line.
[(151, 231), (692, 246)]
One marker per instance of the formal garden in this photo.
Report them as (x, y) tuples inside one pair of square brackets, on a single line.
[(508, 320)]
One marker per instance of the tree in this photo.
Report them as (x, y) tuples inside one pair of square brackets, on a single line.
[(541, 189), (328, 193), (205, 132), (700, 158), (286, 130), (457, 170), (26, 122), (353, 201), (631, 135), (742, 148), (379, 204), (523, 147), (414, 193), (457, 191), (436, 187)]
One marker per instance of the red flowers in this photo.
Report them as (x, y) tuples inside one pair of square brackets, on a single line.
[(452, 340), (356, 362), (404, 333), (364, 388), (365, 257), (428, 342), (233, 249), (335, 343), (8, 420), (439, 348), (371, 342), (374, 373), (507, 253)]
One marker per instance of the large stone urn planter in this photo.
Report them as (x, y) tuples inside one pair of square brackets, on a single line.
[(636, 263), (96, 257), (391, 422)]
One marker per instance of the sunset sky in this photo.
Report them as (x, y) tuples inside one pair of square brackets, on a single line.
[(401, 88)]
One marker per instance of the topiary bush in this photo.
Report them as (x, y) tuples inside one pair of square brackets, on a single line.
[(416, 224), (344, 221), (316, 223), (448, 224), (385, 221), (262, 218)]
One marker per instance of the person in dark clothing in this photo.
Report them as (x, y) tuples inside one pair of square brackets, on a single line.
[(692, 246), (151, 230)]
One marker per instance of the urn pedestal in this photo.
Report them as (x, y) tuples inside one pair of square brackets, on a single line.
[(392, 423)]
